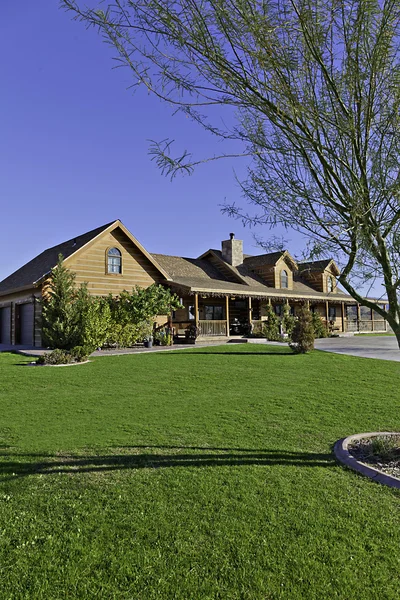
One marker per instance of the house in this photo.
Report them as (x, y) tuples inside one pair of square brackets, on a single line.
[(220, 290)]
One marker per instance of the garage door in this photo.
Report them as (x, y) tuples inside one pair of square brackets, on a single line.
[(5, 325), (26, 324)]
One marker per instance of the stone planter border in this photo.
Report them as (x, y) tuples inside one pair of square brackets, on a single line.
[(73, 364), (343, 455)]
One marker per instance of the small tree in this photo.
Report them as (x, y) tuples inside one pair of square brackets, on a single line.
[(60, 328), (271, 327), (320, 330), (288, 320), (303, 332), (93, 319)]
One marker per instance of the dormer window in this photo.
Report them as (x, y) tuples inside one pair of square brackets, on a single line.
[(330, 284), (284, 279), (114, 261)]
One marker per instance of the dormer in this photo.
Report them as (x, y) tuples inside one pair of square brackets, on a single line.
[(275, 268), (321, 275)]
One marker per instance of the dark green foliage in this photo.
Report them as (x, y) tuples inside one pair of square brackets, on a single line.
[(318, 326), (271, 328), (303, 332), (93, 319), (132, 313), (72, 317), (60, 327), (64, 357), (288, 320)]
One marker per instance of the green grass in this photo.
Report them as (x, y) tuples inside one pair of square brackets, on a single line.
[(196, 474)]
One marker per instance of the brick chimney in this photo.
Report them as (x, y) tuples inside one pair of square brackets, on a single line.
[(232, 251)]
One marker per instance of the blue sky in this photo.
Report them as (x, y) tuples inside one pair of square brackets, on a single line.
[(74, 148)]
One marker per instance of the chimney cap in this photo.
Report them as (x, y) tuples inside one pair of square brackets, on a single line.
[(232, 236)]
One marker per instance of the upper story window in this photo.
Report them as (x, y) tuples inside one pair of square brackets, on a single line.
[(114, 261), (284, 279), (330, 284)]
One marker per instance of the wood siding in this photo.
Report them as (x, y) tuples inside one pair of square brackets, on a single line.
[(90, 265)]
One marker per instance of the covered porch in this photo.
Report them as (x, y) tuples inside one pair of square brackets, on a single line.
[(226, 315)]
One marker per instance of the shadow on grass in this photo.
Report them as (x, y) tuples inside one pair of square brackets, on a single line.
[(229, 353), (131, 458)]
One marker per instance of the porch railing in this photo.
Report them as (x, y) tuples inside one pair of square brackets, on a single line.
[(212, 328), (257, 326), (366, 325)]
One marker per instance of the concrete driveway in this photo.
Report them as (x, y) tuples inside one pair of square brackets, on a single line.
[(382, 347)]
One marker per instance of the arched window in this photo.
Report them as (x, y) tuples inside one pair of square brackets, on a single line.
[(330, 284), (114, 261), (284, 279)]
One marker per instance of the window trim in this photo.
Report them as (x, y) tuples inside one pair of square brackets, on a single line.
[(285, 274), (113, 273)]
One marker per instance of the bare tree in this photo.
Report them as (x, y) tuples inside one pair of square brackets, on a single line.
[(313, 86)]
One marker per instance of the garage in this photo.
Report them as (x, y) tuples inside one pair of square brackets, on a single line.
[(5, 325), (25, 325)]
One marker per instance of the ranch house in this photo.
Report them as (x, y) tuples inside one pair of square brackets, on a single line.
[(224, 291)]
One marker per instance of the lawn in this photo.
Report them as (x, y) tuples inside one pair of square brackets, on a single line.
[(198, 474)]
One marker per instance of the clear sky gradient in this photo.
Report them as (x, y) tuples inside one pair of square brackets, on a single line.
[(74, 144)]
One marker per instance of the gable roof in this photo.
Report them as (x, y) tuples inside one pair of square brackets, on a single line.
[(200, 275), (32, 273), (317, 266), (271, 258)]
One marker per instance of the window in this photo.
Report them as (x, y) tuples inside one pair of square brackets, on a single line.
[(214, 313), (332, 313), (284, 279), (114, 261), (330, 284), (278, 309), (192, 315)]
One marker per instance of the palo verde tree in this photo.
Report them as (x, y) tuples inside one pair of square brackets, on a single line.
[(314, 88)]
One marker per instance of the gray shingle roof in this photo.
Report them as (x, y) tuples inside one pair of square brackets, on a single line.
[(42, 264), (200, 274), (314, 265)]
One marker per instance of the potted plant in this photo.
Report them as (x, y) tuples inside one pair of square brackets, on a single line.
[(148, 342)]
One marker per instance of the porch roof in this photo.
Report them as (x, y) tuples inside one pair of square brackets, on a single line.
[(199, 275)]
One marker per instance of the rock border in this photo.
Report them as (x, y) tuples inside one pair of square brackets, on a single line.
[(342, 454), (73, 364)]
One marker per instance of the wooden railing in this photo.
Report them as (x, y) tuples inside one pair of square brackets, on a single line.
[(365, 325), (209, 328), (257, 326)]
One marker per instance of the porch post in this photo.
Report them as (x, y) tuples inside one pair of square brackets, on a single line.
[(372, 320), (196, 308), (250, 310), (358, 317), (227, 315), (327, 313), (343, 324)]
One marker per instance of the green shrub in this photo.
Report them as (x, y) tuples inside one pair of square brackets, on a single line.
[(319, 327), (58, 357), (270, 329), (80, 353), (288, 320), (303, 332)]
